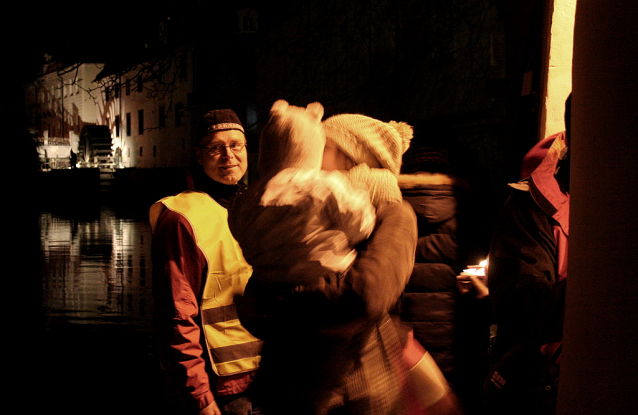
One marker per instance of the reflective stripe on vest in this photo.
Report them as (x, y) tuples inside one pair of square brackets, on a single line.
[(232, 348)]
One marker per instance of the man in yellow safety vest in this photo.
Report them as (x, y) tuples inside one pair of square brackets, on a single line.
[(208, 357)]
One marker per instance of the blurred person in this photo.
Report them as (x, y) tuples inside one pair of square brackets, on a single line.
[(449, 317), (298, 221), (527, 276), (330, 346), (208, 359)]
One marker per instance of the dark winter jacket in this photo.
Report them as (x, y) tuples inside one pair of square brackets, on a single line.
[(430, 297), (527, 275), (453, 327)]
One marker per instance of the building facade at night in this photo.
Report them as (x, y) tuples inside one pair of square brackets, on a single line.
[(469, 76), (145, 110), (141, 108), (58, 105)]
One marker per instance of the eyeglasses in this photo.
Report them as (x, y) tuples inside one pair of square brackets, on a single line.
[(217, 149)]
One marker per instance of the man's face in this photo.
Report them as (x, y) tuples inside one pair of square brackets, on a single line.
[(228, 166)]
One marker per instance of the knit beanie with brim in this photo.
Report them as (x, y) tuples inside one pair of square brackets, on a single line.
[(377, 149), (217, 120)]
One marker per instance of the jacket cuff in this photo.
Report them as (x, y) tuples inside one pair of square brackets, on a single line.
[(205, 399)]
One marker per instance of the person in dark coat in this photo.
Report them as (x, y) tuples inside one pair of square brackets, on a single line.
[(452, 325), (528, 279)]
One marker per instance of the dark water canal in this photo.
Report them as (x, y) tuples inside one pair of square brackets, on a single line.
[(86, 344)]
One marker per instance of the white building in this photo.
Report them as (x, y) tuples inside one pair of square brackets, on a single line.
[(145, 110), (143, 107), (58, 104)]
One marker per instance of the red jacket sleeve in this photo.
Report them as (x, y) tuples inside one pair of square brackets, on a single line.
[(179, 269)]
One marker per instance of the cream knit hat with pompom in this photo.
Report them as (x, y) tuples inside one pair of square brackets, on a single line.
[(367, 140), (376, 147)]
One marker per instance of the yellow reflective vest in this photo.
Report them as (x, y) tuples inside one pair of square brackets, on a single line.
[(232, 348)]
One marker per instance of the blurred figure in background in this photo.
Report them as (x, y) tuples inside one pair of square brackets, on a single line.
[(450, 320)]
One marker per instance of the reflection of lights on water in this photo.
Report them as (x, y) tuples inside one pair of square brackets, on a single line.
[(96, 270)]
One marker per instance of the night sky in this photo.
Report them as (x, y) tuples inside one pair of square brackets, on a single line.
[(83, 31), (71, 31)]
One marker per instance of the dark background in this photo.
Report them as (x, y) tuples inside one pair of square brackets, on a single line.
[(436, 74), (454, 70)]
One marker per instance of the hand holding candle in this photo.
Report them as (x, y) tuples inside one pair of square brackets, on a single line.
[(473, 279)]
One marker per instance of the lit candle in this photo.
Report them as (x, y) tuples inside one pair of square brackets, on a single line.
[(479, 270)]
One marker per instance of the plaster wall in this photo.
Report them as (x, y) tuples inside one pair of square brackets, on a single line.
[(558, 70)]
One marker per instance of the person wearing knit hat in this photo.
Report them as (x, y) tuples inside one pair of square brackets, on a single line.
[(208, 358), (329, 344), (296, 220), (218, 120), (221, 146), (375, 149)]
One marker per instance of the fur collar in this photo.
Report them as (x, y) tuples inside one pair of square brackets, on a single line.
[(422, 179)]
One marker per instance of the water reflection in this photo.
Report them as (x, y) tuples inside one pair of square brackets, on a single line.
[(96, 270), (93, 351)]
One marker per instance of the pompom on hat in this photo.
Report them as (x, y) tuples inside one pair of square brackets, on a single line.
[(367, 140), (218, 120), (376, 147)]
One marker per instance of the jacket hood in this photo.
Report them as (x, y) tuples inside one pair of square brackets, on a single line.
[(431, 195), (422, 179)]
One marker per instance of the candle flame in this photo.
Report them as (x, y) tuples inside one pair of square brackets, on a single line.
[(477, 269)]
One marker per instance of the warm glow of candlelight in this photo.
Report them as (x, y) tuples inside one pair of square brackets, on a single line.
[(479, 270)]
